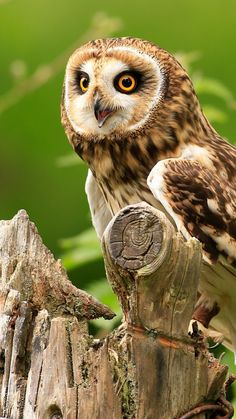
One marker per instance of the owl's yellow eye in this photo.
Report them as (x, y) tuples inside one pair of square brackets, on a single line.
[(126, 82), (84, 83), (81, 81)]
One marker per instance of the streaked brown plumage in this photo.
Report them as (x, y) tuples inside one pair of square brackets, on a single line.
[(153, 143)]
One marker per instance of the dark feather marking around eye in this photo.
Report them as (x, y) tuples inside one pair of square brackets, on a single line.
[(136, 74), (78, 76)]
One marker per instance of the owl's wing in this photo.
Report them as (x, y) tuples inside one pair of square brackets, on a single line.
[(202, 204), (99, 211)]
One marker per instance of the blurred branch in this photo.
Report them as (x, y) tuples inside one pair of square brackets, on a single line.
[(101, 26)]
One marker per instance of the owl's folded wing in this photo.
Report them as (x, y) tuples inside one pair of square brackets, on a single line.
[(202, 204)]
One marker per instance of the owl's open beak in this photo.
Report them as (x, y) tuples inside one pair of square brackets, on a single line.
[(100, 113)]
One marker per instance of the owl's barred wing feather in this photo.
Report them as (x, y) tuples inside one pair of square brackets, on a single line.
[(201, 203)]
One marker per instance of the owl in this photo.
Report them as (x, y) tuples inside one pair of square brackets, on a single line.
[(130, 111)]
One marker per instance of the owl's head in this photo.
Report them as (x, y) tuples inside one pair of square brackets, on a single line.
[(114, 87)]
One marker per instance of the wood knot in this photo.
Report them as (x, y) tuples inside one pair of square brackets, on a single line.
[(54, 412), (136, 237)]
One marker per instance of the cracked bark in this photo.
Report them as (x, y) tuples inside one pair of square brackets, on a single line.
[(147, 368)]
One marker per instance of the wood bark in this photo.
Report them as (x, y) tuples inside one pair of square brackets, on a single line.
[(149, 367)]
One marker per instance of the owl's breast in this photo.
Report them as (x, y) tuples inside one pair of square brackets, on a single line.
[(121, 195)]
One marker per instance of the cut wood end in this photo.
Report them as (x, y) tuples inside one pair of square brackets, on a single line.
[(135, 237)]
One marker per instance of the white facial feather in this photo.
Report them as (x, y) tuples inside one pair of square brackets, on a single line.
[(153, 63), (80, 107)]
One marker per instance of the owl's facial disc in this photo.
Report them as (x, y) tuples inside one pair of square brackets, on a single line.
[(112, 93)]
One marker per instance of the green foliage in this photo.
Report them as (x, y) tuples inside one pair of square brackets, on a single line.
[(102, 291), (81, 249), (209, 88)]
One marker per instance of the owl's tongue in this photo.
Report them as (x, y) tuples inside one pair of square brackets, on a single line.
[(102, 115)]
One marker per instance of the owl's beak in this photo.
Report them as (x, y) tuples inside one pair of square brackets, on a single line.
[(100, 113)]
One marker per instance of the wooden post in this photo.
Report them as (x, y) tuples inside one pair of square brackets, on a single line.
[(147, 368)]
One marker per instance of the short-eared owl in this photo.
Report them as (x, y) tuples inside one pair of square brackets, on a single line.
[(130, 111)]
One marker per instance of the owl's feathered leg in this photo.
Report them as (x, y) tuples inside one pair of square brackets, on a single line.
[(98, 208)]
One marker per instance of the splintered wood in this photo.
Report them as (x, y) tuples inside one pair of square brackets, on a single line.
[(149, 367)]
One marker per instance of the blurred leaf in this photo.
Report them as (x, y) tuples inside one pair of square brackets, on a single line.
[(101, 290), (186, 59), (78, 257), (69, 160), (80, 249), (204, 85), (86, 238), (207, 86), (214, 114), (107, 325)]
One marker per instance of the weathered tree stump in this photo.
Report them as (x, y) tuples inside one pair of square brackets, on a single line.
[(148, 368)]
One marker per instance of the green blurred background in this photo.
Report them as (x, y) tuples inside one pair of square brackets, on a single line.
[(36, 40)]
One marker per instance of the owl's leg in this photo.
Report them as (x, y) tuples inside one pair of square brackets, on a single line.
[(100, 212), (216, 337)]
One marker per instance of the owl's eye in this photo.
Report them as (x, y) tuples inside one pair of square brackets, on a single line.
[(82, 81), (126, 82)]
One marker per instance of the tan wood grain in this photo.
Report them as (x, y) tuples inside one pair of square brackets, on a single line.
[(149, 367)]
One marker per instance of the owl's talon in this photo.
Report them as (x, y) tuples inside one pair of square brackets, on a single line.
[(207, 333)]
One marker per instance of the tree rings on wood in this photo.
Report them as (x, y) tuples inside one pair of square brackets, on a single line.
[(135, 237)]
